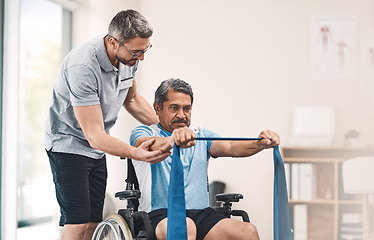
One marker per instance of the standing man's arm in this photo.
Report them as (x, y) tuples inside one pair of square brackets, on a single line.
[(139, 108), (90, 119)]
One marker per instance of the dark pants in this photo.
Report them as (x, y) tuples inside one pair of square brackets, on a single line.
[(80, 184)]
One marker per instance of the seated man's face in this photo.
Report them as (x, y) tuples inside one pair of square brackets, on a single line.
[(176, 111)]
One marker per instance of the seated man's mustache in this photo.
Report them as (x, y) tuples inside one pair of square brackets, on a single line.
[(179, 121)]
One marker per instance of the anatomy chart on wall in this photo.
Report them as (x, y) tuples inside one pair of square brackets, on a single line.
[(367, 63), (333, 47)]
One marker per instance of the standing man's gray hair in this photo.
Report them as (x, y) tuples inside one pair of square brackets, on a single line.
[(129, 24), (176, 84)]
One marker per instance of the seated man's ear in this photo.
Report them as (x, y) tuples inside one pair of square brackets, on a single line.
[(157, 108)]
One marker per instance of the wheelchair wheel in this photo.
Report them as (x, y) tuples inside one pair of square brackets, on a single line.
[(114, 227)]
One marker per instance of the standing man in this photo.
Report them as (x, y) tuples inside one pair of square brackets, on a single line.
[(94, 81), (173, 105)]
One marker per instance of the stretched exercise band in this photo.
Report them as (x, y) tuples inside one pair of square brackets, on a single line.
[(177, 228), (227, 138)]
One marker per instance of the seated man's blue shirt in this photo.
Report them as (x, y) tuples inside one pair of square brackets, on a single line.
[(195, 165)]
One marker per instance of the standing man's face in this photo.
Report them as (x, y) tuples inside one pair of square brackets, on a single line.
[(132, 51), (176, 111)]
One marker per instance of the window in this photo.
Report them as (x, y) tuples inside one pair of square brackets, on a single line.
[(44, 28)]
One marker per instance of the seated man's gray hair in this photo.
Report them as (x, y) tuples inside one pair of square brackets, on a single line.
[(176, 84)]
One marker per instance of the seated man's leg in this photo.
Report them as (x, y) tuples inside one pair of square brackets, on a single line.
[(232, 229), (213, 225), (161, 229)]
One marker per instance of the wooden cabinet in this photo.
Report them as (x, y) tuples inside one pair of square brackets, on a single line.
[(329, 212)]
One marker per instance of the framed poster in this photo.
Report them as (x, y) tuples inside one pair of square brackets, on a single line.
[(333, 47)]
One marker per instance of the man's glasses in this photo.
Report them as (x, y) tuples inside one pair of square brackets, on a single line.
[(137, 53)]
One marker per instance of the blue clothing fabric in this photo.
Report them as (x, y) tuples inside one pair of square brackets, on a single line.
[(86, 78), (281, 224), (195, 168)]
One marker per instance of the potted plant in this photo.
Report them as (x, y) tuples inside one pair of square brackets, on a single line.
[(351, 138)]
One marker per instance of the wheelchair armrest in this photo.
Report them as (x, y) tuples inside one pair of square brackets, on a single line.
[(128, 194), (228, 197), (241, 213)]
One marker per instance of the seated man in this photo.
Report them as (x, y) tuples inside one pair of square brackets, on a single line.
[(173, 105)]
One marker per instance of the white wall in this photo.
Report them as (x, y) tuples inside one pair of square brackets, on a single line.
[(249, 65)]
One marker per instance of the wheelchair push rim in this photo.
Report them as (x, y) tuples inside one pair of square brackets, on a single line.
[(113, 227)]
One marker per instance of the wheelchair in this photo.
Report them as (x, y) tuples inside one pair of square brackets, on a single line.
[(131, 224)]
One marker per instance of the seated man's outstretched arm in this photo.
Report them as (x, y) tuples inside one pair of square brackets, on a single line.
[(183, 137), (244, 148)]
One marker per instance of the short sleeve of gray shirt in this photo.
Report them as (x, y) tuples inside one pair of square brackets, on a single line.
[(83, 86)]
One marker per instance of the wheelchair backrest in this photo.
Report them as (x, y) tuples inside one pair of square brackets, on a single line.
[(132, 180)]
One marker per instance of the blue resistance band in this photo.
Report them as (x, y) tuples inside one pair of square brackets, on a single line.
[(177, 227), (281, 214)]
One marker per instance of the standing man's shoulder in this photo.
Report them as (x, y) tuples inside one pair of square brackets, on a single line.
[(89, 53)]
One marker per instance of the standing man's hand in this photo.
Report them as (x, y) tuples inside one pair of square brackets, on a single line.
[(143, 153)]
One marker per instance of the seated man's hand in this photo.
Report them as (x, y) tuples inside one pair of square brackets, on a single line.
[(184, 137), (270, 139)]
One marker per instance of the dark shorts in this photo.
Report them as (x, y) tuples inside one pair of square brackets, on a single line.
[(80, 184), (204, 219)]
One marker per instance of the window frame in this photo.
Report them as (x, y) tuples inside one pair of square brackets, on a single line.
[(1, 92)]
